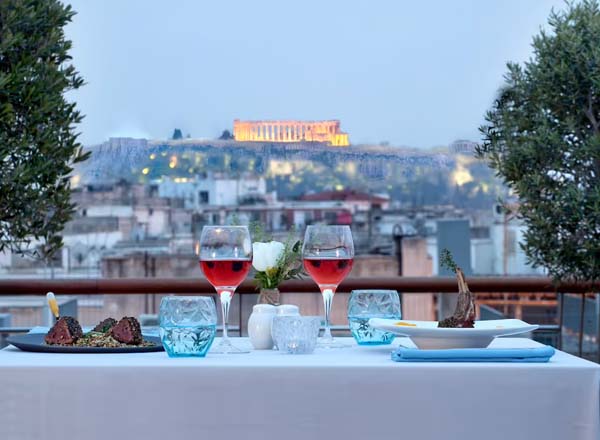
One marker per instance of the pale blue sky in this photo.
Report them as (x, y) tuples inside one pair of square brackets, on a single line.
[(415, 73)]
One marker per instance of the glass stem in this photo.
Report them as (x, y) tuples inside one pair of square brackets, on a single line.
[(327, 300), (225, 296)]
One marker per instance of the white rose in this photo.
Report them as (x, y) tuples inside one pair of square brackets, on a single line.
[(266, 255)]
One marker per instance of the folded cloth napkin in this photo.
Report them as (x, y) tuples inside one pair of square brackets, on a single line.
[(537, 354)]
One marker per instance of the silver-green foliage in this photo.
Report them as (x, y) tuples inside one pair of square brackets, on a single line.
[(542, 136), (38, 141)]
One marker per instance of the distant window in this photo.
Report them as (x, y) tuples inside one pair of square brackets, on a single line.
[(330, 217), (203, 195), (480, 232)]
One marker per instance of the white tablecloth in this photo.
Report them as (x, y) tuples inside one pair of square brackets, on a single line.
[(355, 393)]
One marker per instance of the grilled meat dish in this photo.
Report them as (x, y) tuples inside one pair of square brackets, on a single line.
[(66, 331), (127, 331), (105, 326), (464, 315)]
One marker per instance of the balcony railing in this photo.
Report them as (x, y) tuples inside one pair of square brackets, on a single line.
[(201, 286), (506, 290)]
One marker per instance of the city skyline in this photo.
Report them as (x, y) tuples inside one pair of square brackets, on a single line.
[(418, 75)]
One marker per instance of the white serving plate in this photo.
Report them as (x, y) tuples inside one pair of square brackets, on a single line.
[(427, 335)]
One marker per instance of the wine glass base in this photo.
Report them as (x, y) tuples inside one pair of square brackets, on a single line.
[(226, 347), (328, 343)]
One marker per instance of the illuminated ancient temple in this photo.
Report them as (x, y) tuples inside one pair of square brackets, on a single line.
[(290, 131)]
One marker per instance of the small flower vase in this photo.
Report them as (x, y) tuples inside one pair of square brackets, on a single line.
[(269, 296)]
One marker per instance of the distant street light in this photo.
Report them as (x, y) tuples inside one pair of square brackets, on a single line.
[(398, 235)]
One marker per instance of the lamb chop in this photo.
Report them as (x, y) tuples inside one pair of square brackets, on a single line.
[(105, 325), (127, 331), (464, 315)]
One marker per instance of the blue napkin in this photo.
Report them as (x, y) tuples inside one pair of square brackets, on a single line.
[(538, 354)]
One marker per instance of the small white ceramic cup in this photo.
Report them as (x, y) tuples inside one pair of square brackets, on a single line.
[(259, 326)]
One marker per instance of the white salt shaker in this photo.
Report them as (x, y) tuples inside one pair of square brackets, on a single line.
[(259, 326)]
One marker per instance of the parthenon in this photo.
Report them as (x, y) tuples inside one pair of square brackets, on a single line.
[(290, 131)]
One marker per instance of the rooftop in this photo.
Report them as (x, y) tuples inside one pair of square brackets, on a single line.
[(345, 195)]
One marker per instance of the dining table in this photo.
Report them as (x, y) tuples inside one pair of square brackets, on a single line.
[(356, 392)]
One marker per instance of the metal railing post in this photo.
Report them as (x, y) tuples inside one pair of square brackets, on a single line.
[(561, 311), (581, 325), (598, 327), (240, 314)]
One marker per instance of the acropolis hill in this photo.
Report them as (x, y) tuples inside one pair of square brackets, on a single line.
[(134, 159), (327, 132)]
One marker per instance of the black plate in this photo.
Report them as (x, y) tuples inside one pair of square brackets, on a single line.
[(35, 342)]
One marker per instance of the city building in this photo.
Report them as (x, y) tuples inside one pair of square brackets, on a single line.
[(217, 189), (355, 200)]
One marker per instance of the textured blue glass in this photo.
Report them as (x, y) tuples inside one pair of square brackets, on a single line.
[(366, 304), (188, 325), (187, 341)]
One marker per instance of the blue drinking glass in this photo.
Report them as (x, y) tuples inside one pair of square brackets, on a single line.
[(366, 304), (188, 325)]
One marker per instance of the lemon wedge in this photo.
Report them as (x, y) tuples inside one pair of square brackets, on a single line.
[(52, 304)]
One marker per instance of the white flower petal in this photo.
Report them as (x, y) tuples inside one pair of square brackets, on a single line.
[(266, 255), (276, 249), (259, 256)]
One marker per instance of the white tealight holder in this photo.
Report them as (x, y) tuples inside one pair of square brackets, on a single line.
[(288, 310), (285, 310)]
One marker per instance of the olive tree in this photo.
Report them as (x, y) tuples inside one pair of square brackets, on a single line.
[(542, 137), (38, 138)]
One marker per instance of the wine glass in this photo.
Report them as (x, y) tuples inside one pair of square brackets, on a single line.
[(328, 254), (225, 259)]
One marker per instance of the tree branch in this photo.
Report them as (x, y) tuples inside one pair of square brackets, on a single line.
[(589, 112)]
